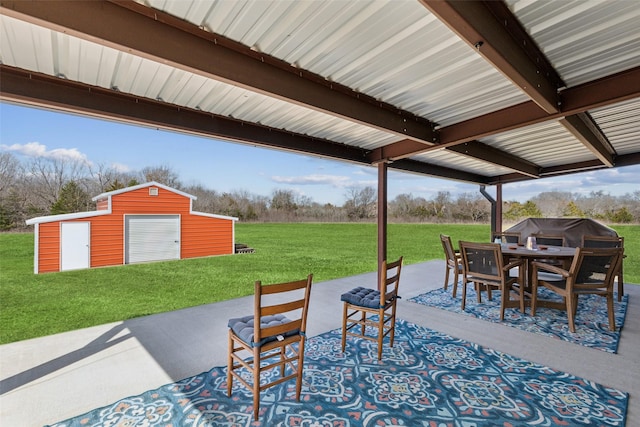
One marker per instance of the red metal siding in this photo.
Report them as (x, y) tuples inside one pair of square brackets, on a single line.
[(205, 236), (102, 204), (200, 235), (49, 247), (107, 240), (140, 202)]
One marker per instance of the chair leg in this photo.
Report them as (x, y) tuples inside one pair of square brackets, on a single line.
[(392, 323), (620, 283), (455, 282), (256, 382), (446, 277), (571, 302), (534, 298), (504, 297), (478, 287), (521, 296), (612, 317), (380, 333), (464, 293), (344, 326), (230, 366), (300, 370)]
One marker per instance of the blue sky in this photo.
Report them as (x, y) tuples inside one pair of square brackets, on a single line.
[(225, 166)]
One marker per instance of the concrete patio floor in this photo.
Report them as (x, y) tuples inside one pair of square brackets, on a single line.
[(50, 379)]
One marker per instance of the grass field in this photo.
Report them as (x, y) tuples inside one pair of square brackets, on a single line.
[(37, 305)]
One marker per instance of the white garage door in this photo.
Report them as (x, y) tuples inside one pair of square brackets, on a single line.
[(151, 238)]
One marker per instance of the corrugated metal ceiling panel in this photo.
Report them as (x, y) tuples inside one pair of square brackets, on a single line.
[(621, 125), (394, 51), (450, 159), (539, 144), (97, 65), (583, 39), (374, 47)]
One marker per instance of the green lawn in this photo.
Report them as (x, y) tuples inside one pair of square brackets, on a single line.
[(37, 305)]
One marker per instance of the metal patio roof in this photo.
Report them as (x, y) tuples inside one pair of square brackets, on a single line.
[(482, 92)]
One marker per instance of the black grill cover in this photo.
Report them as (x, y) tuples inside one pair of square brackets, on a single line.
[(571, 228)]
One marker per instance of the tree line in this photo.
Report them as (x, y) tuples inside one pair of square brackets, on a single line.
[(48, 186)]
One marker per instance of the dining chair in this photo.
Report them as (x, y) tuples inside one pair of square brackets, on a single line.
[(590, 241), (591, 272), (483, 265), (454, 262), (379, 303), (272, 337), (507, 237), (550, 239)]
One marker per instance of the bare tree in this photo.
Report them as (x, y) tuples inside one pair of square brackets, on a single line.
[(361, 202), (49, 175), (10, 171), (161, 174)]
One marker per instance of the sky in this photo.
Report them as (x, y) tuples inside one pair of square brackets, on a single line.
[(227, 166)]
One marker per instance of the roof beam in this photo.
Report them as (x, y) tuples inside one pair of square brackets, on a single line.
[(134, 28), (422, 168), (598, 93), (579, 99), (586, 131), (478, 150), (39, 90), (498, 36)]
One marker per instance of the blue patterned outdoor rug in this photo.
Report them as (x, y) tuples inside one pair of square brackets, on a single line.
[(426, 379), (592, 326)]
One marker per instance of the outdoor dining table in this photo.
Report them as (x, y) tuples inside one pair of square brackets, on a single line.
[(541, 253)]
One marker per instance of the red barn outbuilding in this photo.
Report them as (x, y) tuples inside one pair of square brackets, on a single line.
[(146, 222)]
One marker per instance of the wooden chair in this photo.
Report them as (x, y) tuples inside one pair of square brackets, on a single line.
[(507, 237), (483, 265), (454, 262), (589, 241), (272, 337), (381, 302), (591, 272)]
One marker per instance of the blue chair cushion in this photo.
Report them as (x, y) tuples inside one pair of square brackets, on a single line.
[(363, 297), (243, 328)]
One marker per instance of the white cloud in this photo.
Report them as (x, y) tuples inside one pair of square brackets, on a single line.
[(35, 149), (120, 167), (333, 180)]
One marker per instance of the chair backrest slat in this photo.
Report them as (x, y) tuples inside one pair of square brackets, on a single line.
[(390, 280), (290, 299)]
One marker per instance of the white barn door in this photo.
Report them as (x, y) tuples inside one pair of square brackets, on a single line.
[(74, 245), (151, 238)]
